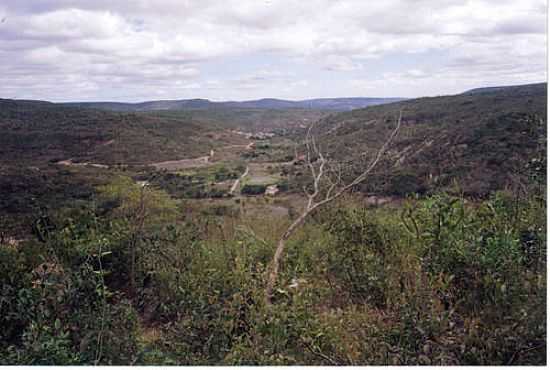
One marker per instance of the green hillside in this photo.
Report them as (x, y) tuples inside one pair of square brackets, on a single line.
[(480, 141), (105, 261), (287, 121), (38, 132)]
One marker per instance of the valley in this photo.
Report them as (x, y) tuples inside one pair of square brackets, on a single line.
[(273, 183), (167, 221)]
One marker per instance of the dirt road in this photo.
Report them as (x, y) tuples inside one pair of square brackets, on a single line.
[(183, 163), (237, 182), (203, 161)]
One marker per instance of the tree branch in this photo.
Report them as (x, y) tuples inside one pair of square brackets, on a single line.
[(317, 176)]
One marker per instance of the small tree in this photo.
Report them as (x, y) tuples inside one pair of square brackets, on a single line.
[(328, 185), (140, 206)]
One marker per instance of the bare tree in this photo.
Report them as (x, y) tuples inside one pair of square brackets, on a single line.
[(327, 186)]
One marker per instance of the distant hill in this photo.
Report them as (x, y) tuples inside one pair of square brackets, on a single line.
[(333, 104), (512, 90), (337, 104), (35, 132), (146, 106), (481, 141)]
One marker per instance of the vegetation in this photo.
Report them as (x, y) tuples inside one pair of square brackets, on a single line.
[(197, 184), (440, 281), (479, 140), (34, 133), (131, 265), (250, 119), (250, 189)]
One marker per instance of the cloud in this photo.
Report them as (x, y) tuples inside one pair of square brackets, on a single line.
[(341, 63), (69, 49)]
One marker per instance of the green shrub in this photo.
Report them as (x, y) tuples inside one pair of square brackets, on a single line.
[(249, 189)]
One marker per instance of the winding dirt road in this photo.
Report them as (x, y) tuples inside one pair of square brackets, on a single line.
[(237, 182)]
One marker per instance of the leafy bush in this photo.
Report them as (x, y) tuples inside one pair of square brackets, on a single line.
[(249, 189), (439, 280)]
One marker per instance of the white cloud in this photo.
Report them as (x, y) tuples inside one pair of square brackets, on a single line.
[(163, 41), (341, 63)]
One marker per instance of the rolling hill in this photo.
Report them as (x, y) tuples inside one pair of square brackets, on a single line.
[(481, 141), (333, 104), (511, 89), (37, 132), (36, 136)]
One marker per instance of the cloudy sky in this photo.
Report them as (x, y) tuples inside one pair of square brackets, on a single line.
[(63, 50)]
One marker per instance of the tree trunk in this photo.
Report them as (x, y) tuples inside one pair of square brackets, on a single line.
[(274, 273), (312, 205)]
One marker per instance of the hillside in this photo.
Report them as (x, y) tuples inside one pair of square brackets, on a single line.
[(36, 132), (512, 89), (42, 145), (116, 263), (249, 119), (481, 141)]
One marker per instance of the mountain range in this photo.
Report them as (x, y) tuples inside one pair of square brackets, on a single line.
[(332, 104)]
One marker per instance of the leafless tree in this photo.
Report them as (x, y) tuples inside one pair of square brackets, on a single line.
[(327, 186)]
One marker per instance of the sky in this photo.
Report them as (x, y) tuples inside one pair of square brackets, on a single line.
[(116, 50)]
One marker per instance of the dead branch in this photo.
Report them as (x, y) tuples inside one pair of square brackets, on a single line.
[(321, 171)]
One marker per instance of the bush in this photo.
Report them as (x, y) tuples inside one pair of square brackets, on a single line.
[(253, 189), (362, 249), (439, 281), (405, 184)]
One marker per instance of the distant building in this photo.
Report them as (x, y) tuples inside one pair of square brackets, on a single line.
[(271, 190)]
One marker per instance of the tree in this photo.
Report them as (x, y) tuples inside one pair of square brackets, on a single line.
[(140, 207), (327, 186)]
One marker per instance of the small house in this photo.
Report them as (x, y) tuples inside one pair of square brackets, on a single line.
[(271, 190)]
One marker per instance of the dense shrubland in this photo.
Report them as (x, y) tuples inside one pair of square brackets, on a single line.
[(96, 269), (34, 133), (480, 140), (131, 278)]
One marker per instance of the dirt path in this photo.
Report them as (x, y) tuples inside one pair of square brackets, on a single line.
[(183, 163), (199, 161), (246, 146), (69, 162), (237, 182)]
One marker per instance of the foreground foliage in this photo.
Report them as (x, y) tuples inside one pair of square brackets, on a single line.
[(438, 280)]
